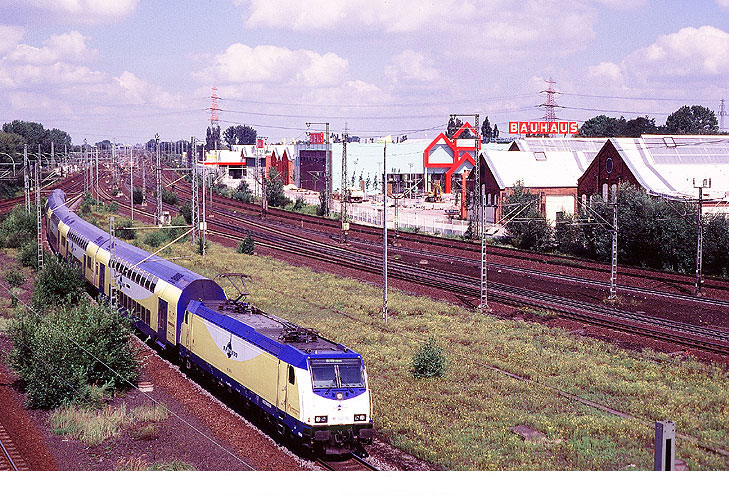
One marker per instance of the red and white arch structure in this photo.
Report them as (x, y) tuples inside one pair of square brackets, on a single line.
[(445, 157)]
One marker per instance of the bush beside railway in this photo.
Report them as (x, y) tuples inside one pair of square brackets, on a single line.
[(652, 232)]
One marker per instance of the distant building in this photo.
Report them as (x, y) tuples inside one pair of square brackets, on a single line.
[(663, 165), (551, 175)]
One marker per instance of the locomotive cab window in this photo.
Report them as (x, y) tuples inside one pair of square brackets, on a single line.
[(323, 376), (292, 376), (340, 374), (351, 376)]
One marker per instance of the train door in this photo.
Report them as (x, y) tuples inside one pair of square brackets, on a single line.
[(162, 320), (102, 274), (283, 384)]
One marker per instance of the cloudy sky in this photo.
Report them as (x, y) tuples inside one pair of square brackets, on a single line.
[(127, 69)]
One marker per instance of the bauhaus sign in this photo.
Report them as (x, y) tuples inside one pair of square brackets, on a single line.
[(543, 127)]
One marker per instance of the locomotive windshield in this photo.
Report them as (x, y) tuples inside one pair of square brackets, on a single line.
[(337, 374)]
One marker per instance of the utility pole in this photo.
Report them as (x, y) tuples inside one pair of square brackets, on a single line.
[(384, 238), (345, 189), (261, 143), (614, 252), (131, 179), (705, 183), (328, 181), (26, 179), (478, 214), (39, 217), (158, 183), (112, 263), (204, 226), (195, 204), (97, 173)]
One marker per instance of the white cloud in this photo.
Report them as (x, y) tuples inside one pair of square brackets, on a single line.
[(558, 23), (690, 53), (623, 4), (399, 16), (606, 71), (10, 36), (412, 66), (66, 47), (276, 65), (80, 11)]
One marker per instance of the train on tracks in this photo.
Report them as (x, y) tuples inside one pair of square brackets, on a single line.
[(308, 387)]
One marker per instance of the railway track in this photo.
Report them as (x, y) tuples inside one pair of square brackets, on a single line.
[(348, 462), (228, 227), (10, 458), (365, 234)]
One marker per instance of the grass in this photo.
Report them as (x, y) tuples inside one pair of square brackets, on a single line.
[(462, 421), (94, 426)]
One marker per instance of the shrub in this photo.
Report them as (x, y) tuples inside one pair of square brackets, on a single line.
[(186, 212), (274, 191), (169, 197), (29, 255), (58, 283), (246, 245), (429, 360), (123, 229), (138, 196), (15, 277), (18, 228), (528, 227), (322, 209), (71, 348), (299, 204), (200, 245), (156, 238)]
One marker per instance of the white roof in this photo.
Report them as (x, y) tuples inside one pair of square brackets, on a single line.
[(590, 146), (551, 169), (667, 165)]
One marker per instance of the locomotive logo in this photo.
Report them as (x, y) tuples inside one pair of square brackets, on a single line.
[(228, 350)]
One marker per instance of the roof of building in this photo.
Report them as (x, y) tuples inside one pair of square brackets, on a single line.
[(590, 146), (671, 165), (551, 169)]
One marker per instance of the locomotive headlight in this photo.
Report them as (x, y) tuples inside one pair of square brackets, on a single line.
[(360, 417), (320, 419)]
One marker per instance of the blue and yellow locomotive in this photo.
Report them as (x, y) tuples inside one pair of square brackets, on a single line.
[(307, 386)]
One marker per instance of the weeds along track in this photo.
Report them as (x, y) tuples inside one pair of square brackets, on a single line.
[(233, 227)]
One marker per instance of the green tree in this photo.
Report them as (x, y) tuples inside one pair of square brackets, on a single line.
[(274, 191), (602, 126), (12, 144), (453, 125), (212, 138), (528, 227), (639, 126), (692, 120), (486, 131), (34, 134)]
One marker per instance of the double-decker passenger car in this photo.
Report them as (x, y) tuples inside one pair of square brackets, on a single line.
[(309, 387)]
